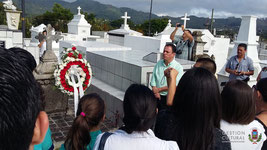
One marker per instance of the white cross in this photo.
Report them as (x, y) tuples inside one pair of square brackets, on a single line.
[(79, 10), (185, 19), (125, 17)]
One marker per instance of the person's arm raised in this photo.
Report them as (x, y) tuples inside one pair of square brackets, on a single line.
[(171, 75), (174, 32)]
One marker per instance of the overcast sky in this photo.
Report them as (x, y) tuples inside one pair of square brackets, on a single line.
[(201, 8)]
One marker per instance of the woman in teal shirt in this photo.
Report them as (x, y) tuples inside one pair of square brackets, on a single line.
[(85, 128), (47, 144)]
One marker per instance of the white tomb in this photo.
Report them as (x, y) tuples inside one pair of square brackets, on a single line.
[(11, 38), (117, 36), (79, 29), (79, 26)]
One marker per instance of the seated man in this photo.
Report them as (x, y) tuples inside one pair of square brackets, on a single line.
[(22, 124), (42, 44)]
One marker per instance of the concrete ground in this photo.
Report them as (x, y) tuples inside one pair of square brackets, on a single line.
[(60, 123)]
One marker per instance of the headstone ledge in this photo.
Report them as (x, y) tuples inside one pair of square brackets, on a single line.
[(153, 57)]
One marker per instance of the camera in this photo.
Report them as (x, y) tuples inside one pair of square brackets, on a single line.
[(178, 25)]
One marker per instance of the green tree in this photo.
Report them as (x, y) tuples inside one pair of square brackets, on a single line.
[(89, 17), (97, 23), (2, 15), (58, 18), (28, 25), (157, 25)]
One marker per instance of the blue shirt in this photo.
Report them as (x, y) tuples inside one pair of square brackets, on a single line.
[(159, 80), (47, 143), (246, 64), (90, 146), (184, 47)]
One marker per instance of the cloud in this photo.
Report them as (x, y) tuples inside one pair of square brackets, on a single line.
[(201, 8)]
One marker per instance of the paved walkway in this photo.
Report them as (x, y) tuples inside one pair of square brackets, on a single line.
[(61, 122)]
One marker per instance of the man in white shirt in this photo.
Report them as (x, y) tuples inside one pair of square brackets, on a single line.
[(42, 44)]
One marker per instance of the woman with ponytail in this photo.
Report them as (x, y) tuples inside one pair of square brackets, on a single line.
[(140, 110), (85, 128)]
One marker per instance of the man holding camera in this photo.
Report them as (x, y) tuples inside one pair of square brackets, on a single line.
[(184, 44), (240, 66)]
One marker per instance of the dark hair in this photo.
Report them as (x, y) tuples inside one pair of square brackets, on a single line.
[(25, 57), (172, 46), (188, 31), (238, 105), (208, 64), (19, 102), (262, 87), (242, 45), (197, 108), (139, 106), (93, 106)]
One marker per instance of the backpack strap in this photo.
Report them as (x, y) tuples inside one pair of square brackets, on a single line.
[(103, 140)]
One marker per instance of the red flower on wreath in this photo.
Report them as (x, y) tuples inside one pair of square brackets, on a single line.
[(70, 54), (65, 69), (73, 48), (80, 56)]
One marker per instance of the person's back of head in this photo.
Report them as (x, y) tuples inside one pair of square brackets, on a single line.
[(262, 88), (19, 105), (25, 57), (238, 105), (140, 108), (197, 108), (91, 111), (206, 63)]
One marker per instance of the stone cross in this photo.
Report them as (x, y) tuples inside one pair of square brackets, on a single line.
[(185, 19), (79, 10), (50, 38), (125, 17)]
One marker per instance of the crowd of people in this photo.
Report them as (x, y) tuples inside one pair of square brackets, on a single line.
[(183, 111)]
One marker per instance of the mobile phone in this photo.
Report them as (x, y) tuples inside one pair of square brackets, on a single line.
[(179, 25)]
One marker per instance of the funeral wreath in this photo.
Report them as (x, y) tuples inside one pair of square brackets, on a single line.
[(73, 72)]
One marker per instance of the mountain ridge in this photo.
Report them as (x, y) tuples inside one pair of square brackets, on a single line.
[(109, 12)]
